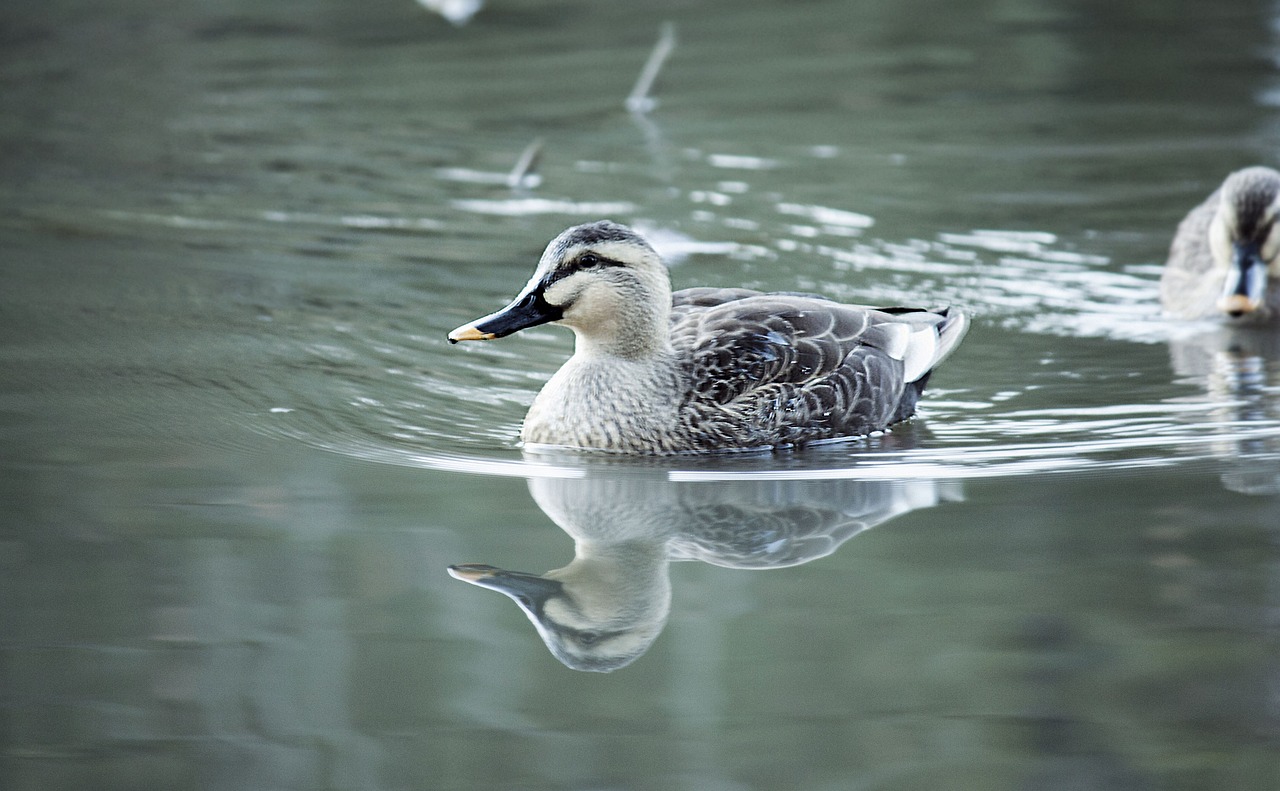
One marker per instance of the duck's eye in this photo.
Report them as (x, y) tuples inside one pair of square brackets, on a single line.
[(589, 259)]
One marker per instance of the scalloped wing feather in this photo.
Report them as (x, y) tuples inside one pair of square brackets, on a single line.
[(780, 369)]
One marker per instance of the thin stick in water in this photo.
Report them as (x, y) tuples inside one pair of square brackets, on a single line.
[(640, 101), (522, 174)]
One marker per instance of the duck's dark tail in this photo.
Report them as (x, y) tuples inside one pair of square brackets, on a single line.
[(910, 397)]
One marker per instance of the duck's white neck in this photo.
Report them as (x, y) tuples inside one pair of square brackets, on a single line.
[(617, 328), (620, 346)]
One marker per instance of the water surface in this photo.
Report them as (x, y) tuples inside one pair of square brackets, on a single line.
[(240, 456)]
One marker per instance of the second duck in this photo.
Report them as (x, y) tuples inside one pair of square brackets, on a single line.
[(709, 369), (1224, 262)]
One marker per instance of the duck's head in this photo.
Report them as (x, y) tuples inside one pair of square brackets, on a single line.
[(584, 622), (1244, 241), (602, 279)]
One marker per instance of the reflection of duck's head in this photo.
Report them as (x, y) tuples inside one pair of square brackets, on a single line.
[(1226, 254), (597, 613)]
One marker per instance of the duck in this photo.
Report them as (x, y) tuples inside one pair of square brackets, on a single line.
[(1224, 262), (708, 369)]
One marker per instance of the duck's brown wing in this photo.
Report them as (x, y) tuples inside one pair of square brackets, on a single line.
[(772, 370)]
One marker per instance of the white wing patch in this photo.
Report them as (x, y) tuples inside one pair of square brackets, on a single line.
[(922, 345), (897, 339), (922, 352)]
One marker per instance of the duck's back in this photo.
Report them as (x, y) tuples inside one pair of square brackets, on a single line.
[(785, 369)]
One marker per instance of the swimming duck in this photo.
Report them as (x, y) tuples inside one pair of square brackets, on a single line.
[(1225, 257), (708, 369)]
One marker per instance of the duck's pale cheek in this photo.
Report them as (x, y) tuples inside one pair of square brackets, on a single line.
[(597, 314), (596, 310)]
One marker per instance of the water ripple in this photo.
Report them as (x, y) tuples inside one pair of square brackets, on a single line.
[(466, 418)]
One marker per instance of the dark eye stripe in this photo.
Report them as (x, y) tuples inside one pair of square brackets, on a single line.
[(585, 261), (589, 260)]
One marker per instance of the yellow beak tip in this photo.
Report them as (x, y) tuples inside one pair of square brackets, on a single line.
[(1237, 305), (469, 333), (470, 572)]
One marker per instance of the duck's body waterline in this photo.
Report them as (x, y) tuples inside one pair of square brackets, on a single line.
[(709, 369)]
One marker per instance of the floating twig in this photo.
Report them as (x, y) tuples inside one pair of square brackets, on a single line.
[(522, 174), (639, 101)]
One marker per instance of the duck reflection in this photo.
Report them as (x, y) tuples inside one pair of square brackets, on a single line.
[(606, 607), (1239, 370)]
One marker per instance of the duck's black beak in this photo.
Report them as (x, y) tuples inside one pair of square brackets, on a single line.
[(1245, 290), (528, 590), (527, 310)]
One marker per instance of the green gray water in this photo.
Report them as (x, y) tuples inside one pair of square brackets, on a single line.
[(238, 454)]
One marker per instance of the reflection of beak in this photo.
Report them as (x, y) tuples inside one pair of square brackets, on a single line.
[(527, 310), (1245, 289), (528, 590)]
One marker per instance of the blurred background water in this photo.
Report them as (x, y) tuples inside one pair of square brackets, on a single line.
[(239, 456)]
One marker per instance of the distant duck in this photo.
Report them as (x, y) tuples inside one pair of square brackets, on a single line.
[(1225, 257), (709, 369)]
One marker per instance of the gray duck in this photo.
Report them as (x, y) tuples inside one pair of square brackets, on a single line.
[(709, 369), (1225, 258)]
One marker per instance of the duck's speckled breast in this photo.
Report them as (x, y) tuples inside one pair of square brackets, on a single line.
[(608, 403)]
